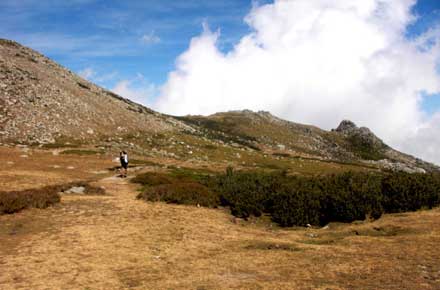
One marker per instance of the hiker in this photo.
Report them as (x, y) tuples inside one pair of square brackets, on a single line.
[(123, 158)]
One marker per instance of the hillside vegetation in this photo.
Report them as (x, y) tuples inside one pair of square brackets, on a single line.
[(293, 200)]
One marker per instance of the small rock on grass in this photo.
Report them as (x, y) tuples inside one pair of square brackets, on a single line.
[(76, 190)]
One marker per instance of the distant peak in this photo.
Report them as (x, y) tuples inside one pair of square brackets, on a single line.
[(250, 112), (346, 126), (10, 43), (264, 113)]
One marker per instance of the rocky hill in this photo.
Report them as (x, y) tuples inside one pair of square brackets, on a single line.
[(347, 143), (42, 102)]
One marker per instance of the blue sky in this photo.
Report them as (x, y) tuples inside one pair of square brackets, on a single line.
[(139, 40), (119, 38)]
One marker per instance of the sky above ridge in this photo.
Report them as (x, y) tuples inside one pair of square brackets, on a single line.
[(376, 62)]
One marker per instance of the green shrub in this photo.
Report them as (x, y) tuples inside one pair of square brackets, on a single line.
[(152, 179), (365, 149), (190, 174), (432, 190), (297, 204), (247, 193), (222, 130), (189, 193), (409, 192), (177, 175), (301, 200), (350, 196), (294, 200)]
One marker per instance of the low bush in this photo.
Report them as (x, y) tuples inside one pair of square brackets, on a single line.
[(247, 193), (152, 179), (176, 175), (350, 196), (409, 192), (15, 201), (291, 200), (365, 149), (189, 193), (318, 200), (297, 203), (302, 200), (190, 174)]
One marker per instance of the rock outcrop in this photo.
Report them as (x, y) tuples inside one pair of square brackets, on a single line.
[(362, 134), (389, 158)]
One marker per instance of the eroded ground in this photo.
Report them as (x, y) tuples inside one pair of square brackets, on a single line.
[(118, 242)]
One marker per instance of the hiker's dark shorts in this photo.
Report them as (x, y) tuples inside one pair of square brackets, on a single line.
[(124, 165)]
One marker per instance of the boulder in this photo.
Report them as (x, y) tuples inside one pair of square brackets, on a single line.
[(76, 190)]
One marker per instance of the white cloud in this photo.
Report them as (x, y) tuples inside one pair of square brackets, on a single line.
[(317, 62), (105, 77), (88, 73), (138, 90), (150, 38), (426, 140), (92, 75)]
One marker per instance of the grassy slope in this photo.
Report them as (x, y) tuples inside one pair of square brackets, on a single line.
[(305, 146)]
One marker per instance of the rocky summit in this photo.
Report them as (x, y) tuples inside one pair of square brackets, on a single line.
[(43, 103)]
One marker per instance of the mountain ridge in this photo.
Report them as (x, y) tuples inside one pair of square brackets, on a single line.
[(45, 103), (36, 90)]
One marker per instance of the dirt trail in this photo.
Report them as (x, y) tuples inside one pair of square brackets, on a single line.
[(118, 242), (104, 242)]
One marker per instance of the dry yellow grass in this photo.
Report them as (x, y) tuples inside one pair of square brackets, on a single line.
[(118, 242), (29, 168)]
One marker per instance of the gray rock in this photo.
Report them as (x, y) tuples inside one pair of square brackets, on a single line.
[(346, 126), (76, 190), (281, 147)]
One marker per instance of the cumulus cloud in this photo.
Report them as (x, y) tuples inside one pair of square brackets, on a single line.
[(88, 73), (92, 75), (426, 140), (318, 62), (138, 90)]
